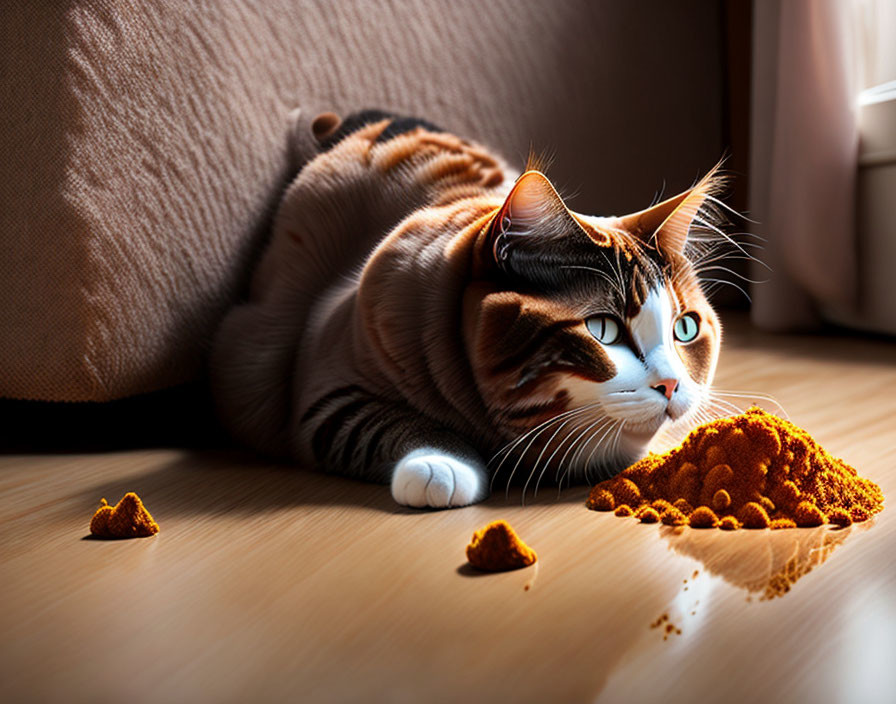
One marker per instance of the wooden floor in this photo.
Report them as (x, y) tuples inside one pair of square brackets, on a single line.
[(272, 584)]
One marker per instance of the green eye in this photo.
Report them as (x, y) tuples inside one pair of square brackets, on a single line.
[(604, 328), (686, 327)]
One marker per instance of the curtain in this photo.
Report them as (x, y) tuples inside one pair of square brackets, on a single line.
[(804, 144)]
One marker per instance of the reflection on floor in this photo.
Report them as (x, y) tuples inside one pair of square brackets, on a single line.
[(764, 563)]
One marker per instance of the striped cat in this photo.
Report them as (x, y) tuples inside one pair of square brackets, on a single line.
[(422, 308)]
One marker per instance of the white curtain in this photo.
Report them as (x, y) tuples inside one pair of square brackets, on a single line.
[(804, 143)]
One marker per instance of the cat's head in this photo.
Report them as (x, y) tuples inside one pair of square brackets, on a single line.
[(594, 329)]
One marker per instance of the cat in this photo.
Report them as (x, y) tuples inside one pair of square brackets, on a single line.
[(422, 307)]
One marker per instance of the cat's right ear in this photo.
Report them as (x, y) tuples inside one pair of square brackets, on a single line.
[(666, 225), (533, 220)]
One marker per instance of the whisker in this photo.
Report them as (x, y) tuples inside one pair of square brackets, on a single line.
[(609, 430), (721, 233), (579, 450), (717, 267), (726, 408), (711, 236), (541, 428), (551, 458), (754, 245), (727, 207), (699, 263), (746, 395), (711, 413), (614, 447), (508, 449), (540, 455), (606, 277), (509, 446), (578, 437), (730, 283)]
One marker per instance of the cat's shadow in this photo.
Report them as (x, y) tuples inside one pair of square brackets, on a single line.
[(227, 482)]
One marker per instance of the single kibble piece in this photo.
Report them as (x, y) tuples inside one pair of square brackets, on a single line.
[(674, 517), (807, 515), (626, 492), (623, 511), (602, 501), (752, 515), (683, 506), (703, 517), (752, 470), (127, 519), (787, 494), (779, 523), (767, 504), (859, 514), (729, 523), (721, 500), (660, 506), (647, 514), (839, 517), (497, 548)]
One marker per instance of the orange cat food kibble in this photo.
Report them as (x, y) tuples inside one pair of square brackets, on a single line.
[(127, 519), (604, 501), (497, 548), (683, 506), (767, 504), (729, 523), (703, 517), (674, 517), (859, 514), (752, 515), (753, 470), (647, 514), (807, 515), (721, 500), (778, 523), (623, 511), (626, 492), (839, 517), (661, 506)]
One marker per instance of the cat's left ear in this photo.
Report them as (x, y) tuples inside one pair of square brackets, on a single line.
[(666, 225), (532, 221)]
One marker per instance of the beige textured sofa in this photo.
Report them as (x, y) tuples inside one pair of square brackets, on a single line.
[(145, 144)]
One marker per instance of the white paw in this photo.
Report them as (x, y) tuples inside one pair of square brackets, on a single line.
[(432, 478)]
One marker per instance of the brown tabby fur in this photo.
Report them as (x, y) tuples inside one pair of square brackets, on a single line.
[(390, 311)]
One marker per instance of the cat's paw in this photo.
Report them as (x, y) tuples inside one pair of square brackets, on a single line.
[(435, 479)]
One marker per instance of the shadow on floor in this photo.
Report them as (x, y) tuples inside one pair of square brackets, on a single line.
[(225, 482), (182, 416)]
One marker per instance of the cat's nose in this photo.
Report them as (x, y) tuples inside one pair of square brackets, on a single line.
[(666, 387)]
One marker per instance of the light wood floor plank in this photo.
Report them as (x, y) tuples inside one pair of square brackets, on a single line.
[(268, 583)]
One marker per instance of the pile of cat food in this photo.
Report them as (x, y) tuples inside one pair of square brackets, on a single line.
[(497, 548), (127, 519), (753, 470)]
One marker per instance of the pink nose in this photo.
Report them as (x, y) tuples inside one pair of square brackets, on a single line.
[(666, 387)]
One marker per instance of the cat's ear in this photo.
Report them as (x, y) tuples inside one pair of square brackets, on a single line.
[(666, 225), (533, 216)]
